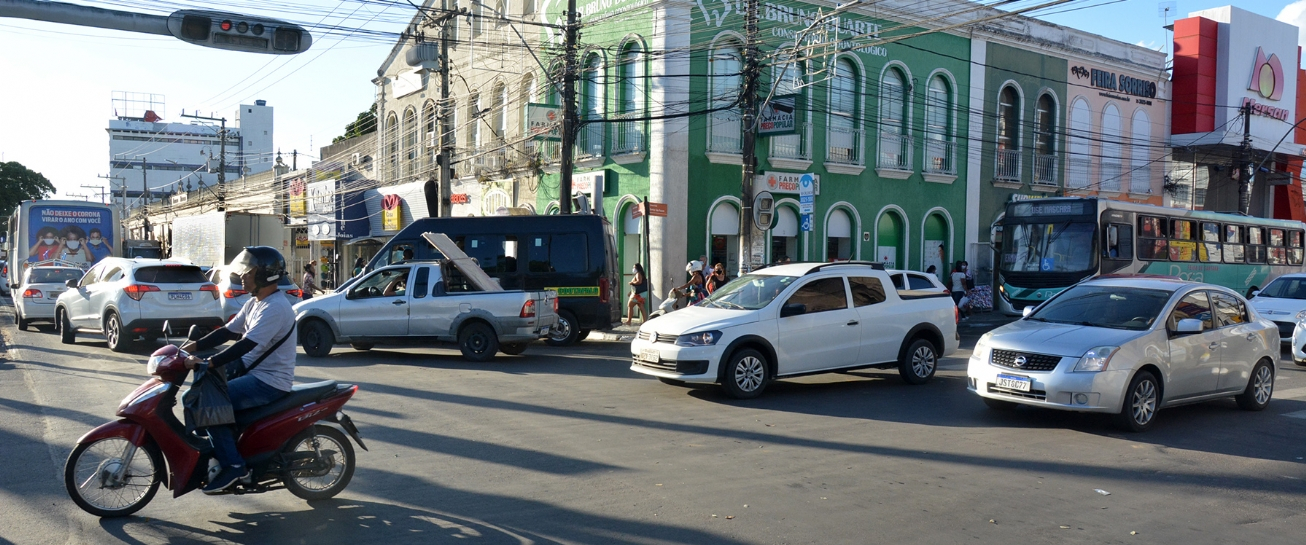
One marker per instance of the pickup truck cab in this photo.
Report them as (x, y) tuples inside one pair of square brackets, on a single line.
[(424, 302), (799, 319)]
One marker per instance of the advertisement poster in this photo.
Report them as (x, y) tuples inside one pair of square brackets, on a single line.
[(392, 212), (68, 233)]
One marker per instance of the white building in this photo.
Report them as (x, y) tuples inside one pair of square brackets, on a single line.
[(147, 152)]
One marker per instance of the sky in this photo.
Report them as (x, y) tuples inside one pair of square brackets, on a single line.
[(56, 81)]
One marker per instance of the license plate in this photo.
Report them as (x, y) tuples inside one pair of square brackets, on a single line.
[(1011, 382), (53, 295), (179, 296), (648, 355)]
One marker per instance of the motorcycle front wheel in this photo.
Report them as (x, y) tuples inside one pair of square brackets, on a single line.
[(106, 478), (325, 473)]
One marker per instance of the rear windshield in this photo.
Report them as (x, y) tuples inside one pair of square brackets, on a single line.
[(53, 276), (171, 274)]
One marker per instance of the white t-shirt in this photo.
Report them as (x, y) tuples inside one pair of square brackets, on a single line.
[(266, 322), (958, 281)]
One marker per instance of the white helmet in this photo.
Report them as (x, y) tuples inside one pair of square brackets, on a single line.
[(694, 265)]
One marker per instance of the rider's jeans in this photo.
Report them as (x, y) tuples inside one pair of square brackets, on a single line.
[(245, 392)]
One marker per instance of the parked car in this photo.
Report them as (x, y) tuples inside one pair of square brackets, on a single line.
[(425, 302), (1129, 347), (40, 287), (1283, 302), (128, 299), (916, 280), (4, 273), (799, 319), (233, 296)]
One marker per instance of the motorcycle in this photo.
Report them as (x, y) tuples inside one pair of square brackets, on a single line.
[(676, 299), (116, 468)]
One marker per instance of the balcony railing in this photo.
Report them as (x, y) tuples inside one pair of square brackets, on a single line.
[(1077, 171), (1110, 176), (895, 151), (1140, 178), (589, 140), (628, 136), (1045, 168), (939, 157), (796, 147), (1008, 168), (723, 134), (845, 146)]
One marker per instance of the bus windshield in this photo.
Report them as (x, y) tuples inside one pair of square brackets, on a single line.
[(1048, 247)]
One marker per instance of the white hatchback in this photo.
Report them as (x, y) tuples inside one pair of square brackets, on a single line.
[(127, 299), (34, 299), (1283, 301)]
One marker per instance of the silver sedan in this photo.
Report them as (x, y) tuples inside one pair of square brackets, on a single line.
[(1129, 346)]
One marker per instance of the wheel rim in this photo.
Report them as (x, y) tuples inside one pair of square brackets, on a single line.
[(1143, 402), (313, 339), (561, 330), (476, 342), (95, 469), (922, 361), (318, 479), (1263, 385), (749, 373), (112, 331)]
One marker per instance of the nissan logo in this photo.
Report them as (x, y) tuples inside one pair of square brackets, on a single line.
[(1019, 361)]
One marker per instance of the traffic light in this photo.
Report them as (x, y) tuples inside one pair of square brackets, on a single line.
[(239, 32)]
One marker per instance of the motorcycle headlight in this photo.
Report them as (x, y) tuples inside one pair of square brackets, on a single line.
[(152, 366), (703, 338), (1096, 359), (982, 349)]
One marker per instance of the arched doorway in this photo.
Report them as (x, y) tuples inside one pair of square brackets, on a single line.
[(890, 237), (723, 238), (629, 248), (935, 243), (784, 235), (839, 236)]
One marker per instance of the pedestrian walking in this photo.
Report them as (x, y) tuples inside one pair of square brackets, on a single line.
[(310, 282), (959, 280), (638, 287)]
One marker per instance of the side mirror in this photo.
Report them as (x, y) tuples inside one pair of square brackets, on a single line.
[(1025, 313), (71, 283), (194, 334), (793, 309), (1188, 325), (1255, 293)]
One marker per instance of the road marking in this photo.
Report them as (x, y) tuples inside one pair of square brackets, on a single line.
[(1290, 393), (1296, 414)]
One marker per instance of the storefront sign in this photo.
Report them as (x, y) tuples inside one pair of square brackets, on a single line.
[(298, 193), (1103, 79), (1267, 75), (460, 198), (778, 116), (322, 210), (544, 121), (785, 182), (392, 212)]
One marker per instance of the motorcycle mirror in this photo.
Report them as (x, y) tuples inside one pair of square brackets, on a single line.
[(194, 334)]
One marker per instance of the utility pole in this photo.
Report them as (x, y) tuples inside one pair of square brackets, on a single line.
[(222, 157), (123, 181), (99, 189), (294, 160), (1244, 161), (445, 157), (570, 123), (749, 91)]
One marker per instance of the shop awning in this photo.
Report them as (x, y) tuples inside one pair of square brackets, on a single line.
[(366, 240)]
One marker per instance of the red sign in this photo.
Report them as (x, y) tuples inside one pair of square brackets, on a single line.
[(657, 209), (459, 198), (637, 211)]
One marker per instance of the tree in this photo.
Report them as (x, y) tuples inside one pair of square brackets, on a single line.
[(364, 124), (19, 183)]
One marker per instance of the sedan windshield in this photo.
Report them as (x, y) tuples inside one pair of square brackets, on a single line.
[(748, 292), (1105, 306), (1285, 288)]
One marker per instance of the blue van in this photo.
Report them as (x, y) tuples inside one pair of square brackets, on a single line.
[(574, 255)]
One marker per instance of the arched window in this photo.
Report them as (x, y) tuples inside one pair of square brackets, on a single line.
[(429, 136), (1112, 159), (499, 112), (478, 18), (938, 127), (452, 127), (629, 135), (1140, 167), (392, 146), (410, 141), (724, 128), (1008, 160), (474, 122), (590, 141), (843, 133), (1080, 157), (895, 141), (1045, 140), (788, 75), (526, 95)]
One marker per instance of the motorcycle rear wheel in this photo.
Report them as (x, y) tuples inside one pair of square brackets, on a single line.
[(88, 476), (320, 483)]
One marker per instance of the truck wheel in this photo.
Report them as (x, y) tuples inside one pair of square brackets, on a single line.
[(565, 332), (66, 333), (478, 342), (918, 362), (316, 338), (512, 349)]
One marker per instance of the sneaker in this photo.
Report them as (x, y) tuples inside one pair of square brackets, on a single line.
[(225, 479)]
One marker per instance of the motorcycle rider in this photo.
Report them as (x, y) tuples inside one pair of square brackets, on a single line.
[(264, 320)]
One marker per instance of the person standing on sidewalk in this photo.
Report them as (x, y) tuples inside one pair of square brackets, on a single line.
[(310, 282), (959, 287)]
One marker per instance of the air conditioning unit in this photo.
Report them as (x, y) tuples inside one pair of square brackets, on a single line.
[(356, 159)]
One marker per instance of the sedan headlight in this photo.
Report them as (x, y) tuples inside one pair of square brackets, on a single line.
[(1096, 359), (703, 338), (982, 349), (1301, 315)]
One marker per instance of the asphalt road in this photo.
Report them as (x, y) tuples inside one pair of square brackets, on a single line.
[(569, 446)]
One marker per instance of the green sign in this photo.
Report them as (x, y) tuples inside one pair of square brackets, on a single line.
[(577, 291)]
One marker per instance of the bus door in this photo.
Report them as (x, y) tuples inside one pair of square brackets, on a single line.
[(1117, 241)]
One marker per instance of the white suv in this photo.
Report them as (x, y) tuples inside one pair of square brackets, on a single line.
[(128, 299), (799, 319)]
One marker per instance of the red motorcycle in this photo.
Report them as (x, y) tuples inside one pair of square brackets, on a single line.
[(117, 468)]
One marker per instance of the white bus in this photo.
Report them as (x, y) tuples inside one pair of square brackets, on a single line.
[(69, 232)]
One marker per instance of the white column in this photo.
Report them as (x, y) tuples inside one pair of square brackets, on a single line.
[(669, 146), (974, 148)]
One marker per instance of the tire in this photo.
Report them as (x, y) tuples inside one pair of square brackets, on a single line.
[(918, 362), (88, 461), (362, 347), (1142, 399), (320, 484), (113, 333), (316, 338), (512, 349), (999, 405), (584, 334), (565, 332), (478, 342), (66, 333), (22, 322), (746, 374), (1260, 388)]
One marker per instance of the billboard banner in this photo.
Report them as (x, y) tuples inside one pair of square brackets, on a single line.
[(69, 233)]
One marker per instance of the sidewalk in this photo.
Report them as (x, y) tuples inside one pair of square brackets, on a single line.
[(978, 324)]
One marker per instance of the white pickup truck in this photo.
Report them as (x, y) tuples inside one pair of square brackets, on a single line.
[(424, 302), (799, 319)]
